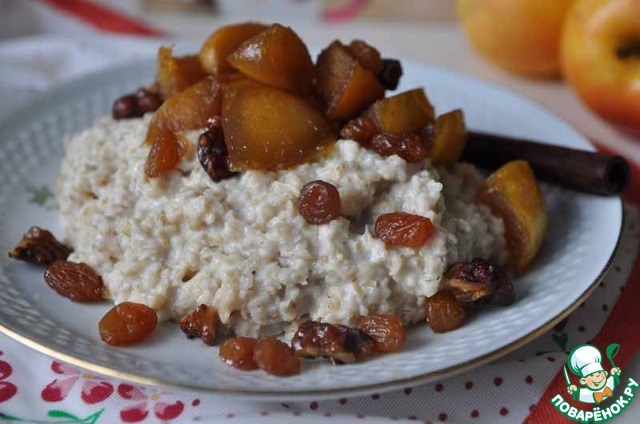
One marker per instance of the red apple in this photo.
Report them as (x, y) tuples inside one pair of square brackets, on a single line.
[(601, 57)]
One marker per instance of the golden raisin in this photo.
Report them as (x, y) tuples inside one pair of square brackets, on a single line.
[(127, 323), (404, 229), (276, 357), (444, 312), (39, 247), (238, 352), (319, 202), (387, 331), (75, 281), (409, 147), (201, 323)]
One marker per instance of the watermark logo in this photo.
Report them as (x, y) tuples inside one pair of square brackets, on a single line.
[(597, 385)]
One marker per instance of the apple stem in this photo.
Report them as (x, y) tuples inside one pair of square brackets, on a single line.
[(629, 50)]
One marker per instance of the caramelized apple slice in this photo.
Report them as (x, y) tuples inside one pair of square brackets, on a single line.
[(223, 42), (177, 73), (449, 138), (403, 113), (187, 110), (346, 86), (513, 194), (367, 56), (276, 57), (268, 128)]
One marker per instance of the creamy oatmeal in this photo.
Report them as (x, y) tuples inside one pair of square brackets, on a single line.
[(241, 245)]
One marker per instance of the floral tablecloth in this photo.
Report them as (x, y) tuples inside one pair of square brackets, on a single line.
[(518, 387)]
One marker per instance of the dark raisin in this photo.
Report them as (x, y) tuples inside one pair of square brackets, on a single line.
[(319, 202), (126, 107), (75, 281), (360, 130), (391, 73), (409, 147), (137, 104), (148, 100), (212, 152), (38, 246)]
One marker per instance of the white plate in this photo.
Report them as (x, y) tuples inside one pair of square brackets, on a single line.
[(580, 243)]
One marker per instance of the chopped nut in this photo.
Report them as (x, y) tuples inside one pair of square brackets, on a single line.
[(444, 312), (38, 246), (339, 343), (473, 281), (202, 323)]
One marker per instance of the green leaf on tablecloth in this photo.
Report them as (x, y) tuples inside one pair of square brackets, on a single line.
[(39, 195), (93, 418), (7, 417), (56, 413), (561, 339)]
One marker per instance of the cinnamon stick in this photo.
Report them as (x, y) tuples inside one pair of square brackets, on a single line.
[(576, 169)]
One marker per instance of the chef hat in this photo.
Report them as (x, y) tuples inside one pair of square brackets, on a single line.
[(585, 360)]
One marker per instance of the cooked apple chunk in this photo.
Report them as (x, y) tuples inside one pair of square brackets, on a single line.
[(276, 57), (449, 138), (404, 113), (224, 41), (346, 87), (187, 110), (513, 194), (267, 128), (177, 73)]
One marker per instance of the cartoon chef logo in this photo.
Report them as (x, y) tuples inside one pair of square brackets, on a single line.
[(585, 361)]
